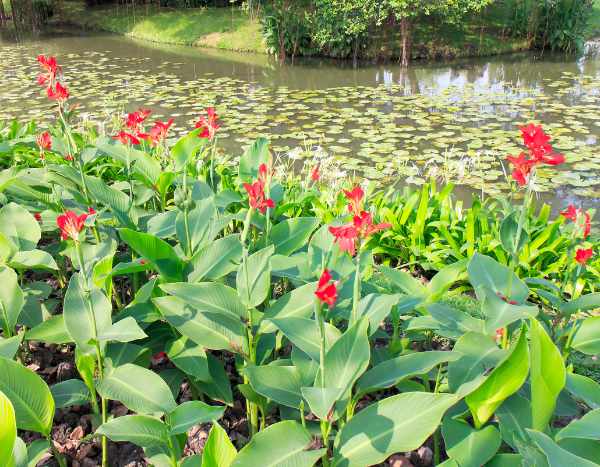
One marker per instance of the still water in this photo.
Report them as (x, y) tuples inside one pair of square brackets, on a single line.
[(455, 121)]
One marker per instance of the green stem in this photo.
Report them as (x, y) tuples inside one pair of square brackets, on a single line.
[(520, 225), (356, 290), (246, 227), (323, 344), (172, 454), (325, 428)]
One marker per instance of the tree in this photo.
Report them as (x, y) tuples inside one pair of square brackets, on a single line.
[(408, 12)]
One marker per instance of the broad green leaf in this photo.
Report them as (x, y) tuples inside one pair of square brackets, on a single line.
[(216, 331), (37, 307), (503, 381), (19, 226), (499, 314), (117, 201), (404, 282), (138, 389), (211, 297), (376, 307), (142, 430), (467, 446), (33, 259), (162, 225), (51, 331), (278, 383), (284, 444), (157, 251), (584, 303), (218, 450), (587, 427), (189, 357), (186, 148), (454, 323), (548, 375), (11, 300), (445, 278), (10, 346), (587, 336), (505, 460), (120, 353), (321, 400), (125, 330), (514, 416), (557, 456), (298, 303), (390, 372), (378, 431), (291, 235), (70, 392), (143, 165), (86, 314), (485, 273), (585, 389), (192, 413), (29, 395), (253, 278), (479, 355), (8, 430), (35, 452), (219, 387), (199, 226), (304, 334), (216, 260), (257, 153)]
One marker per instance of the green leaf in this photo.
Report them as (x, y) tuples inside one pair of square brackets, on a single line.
[(378, 431), (211, 297), (157, 251), (216, 260), (200, 225), (11, 300), (557, 456), (282, 444), (376, 307), (218, 450), (141, 163), (70, 392), (585, 389), (485, 274), (467, 446), (51, 331), (548, 375), (278, 383), (216, 331), (142, 430), (8, 430), (508, 234), (192, 413), (587, 336), (503, 381), (257, 153), (189, 357), (29, 395), (587, 427), (9, 347), (118, 202), (479, 355), (125, 330), (404, 282), (298, 303), (391, 372), (19, 226), (290, 235), (139, 389), (453, 322), (218, 388), (253, 278), (500, 314), (505, 460), (515, 417), (86, 314), (33, 259), (304, 334), (584, 303), (186, 148)]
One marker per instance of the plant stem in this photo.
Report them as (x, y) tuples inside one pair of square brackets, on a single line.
[(325, 428), (517, 242), (323, 344), (356, 290)]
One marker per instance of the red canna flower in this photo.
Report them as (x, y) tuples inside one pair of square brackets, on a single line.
[(326, 289), (571, 213), (70, 224), (44, 141), (68, 157), (51, 69), (582, 256), (355, 197), (365, 227), (256, 196), (522, 168), (160, 357), (134, 119), (126, 138), (574, 214), (158, 132), (38, 217), (587, 225), (315, 175), (91, 211), (345, 237), (209, 124), (60, 93), (534, 136)]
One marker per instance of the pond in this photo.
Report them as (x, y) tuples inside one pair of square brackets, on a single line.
[(453, 121)]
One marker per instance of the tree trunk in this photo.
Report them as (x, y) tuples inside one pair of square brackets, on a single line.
[(406, 34), (15, 19), (2, 14)]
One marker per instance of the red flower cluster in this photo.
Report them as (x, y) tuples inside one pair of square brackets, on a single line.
[(126, 138), (361, 226), (158, 132), (327, 289), (70, 224), (575, 215), (539, 152), (256, 191), (133, 120), (315, 174), (582, 256), (49, 78), (44, 142), (209, 124)]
